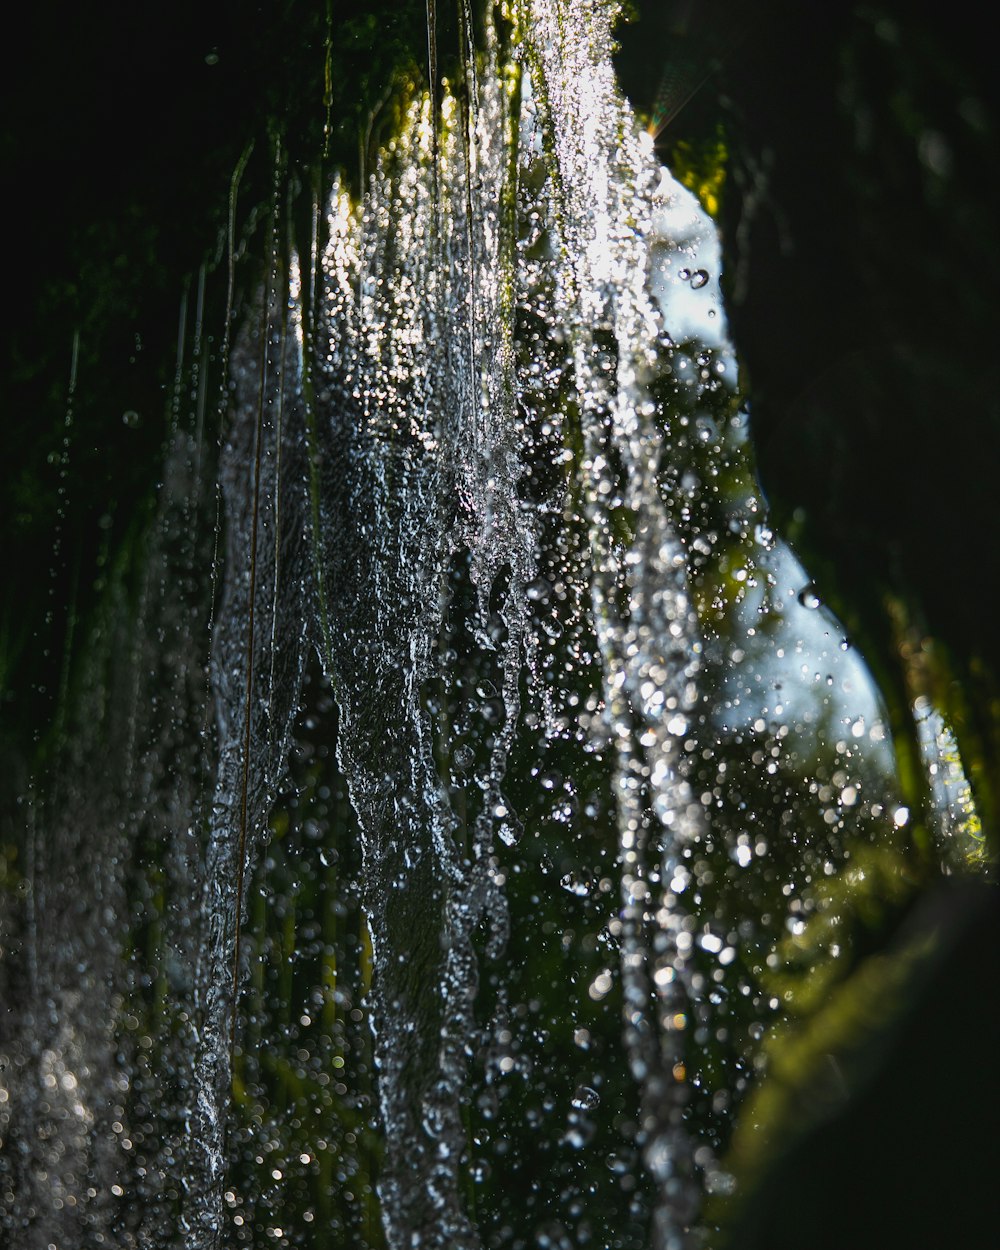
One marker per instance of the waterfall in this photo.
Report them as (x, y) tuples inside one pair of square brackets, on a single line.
[(453, 670), (423, 397)]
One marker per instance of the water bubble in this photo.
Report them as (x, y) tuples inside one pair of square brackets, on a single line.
[(492, 711), (699, 279), (808, 597), (575, 884), (130, 418), (585, 1098)]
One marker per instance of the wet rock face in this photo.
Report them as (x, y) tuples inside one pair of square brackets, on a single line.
[(860, 269), (856, 237), (855, 227)]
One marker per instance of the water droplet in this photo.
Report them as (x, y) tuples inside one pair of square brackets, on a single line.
[(808, 597), (575, 884), (585, 1098), (509, 834)]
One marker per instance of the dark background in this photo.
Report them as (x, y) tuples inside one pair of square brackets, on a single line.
[(122, 127)]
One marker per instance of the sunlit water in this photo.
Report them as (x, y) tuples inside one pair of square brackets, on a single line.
[(484, 457)]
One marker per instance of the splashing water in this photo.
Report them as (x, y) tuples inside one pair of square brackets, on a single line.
[(646, 626), (421, 399)]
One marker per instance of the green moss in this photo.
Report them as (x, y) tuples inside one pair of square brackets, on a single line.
[(701, 167), (812, 1064)]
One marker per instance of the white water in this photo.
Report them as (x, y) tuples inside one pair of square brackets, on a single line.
[(422, 403)]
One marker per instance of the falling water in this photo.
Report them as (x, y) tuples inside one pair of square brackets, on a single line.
[(475, 449)]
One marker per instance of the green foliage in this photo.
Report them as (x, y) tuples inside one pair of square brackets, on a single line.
[(701, 167)]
